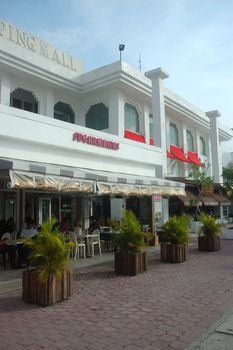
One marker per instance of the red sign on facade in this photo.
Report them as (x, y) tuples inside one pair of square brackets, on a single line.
[(95, 141)]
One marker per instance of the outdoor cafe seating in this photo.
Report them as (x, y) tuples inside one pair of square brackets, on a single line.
[(79, 247), (107, 235), (84, 244), (92, 241), (12, 250)]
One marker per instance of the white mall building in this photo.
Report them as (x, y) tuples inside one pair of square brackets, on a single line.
[(74, 144)]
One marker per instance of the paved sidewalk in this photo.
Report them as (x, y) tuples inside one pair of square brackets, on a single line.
[(11, 279), (169, 307)]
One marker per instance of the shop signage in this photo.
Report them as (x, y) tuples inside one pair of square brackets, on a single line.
[(32, 43), (95, 141), (157, 198)]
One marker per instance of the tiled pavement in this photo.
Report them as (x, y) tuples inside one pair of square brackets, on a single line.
[(166, 308)]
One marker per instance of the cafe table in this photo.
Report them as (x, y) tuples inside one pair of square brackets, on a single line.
[(108, 237)]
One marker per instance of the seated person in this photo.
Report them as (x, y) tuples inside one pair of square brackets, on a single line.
[(6, 237), (64, 227), (10, 225), (29, 230), (94, 225), (78, 230)]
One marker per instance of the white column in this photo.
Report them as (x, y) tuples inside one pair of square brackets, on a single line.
[(185, 148), (113, 112), (216, 160), (121, 115), (158, 109), (165, 209), (198, 143), (147, 124), (5, 89), (49, 104)]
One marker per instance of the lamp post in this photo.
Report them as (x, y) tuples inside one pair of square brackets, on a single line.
[(121, 48)]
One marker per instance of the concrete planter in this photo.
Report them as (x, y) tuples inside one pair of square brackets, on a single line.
[(130, 263), (173, 253), (209, 243), (47, 292)]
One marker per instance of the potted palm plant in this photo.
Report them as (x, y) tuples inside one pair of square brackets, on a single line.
[(209, 233), (175, 232), (47, 280), (130, 254)]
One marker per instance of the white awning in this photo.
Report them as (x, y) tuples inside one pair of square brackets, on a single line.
[(58, 178), (50, 183), (137, 190)]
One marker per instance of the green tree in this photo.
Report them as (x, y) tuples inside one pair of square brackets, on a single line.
[(203, 182), (228, 181), (49, 252)]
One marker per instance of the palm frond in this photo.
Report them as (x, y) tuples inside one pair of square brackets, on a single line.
[(49, 252), (176, 230)]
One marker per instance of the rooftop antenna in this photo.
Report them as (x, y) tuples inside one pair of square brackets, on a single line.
[(140, 62), (121, 48)]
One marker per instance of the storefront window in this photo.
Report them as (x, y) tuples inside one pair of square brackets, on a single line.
[(225, 211)]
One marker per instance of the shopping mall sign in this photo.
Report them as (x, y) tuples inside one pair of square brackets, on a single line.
[(34, 44), (95, 141)]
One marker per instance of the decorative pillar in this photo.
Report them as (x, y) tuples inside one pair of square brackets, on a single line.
[(5, 89), (116, 113), (158, 109), (147, 124), (185, 148), (216, 160), (49, 104)]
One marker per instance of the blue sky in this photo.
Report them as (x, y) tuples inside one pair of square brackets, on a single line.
[(191, 39)]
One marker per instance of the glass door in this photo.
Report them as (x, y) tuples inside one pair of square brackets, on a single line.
[(44, 209)]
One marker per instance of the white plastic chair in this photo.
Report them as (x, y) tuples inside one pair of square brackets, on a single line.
[(75, 249), (6, 237), (95, 241), (81, 240)]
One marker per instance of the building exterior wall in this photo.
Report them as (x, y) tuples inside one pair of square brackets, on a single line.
[(52, 76)]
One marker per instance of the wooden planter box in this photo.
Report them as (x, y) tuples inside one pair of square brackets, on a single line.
[(173, 253), (130, 263), (48, 292), (209, 243)]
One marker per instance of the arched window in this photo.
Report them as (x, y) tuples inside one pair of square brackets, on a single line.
[(203, 146), (97, 117), (131, 118), (174, 136), (63, 111), (190, 144), (24, 99)]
